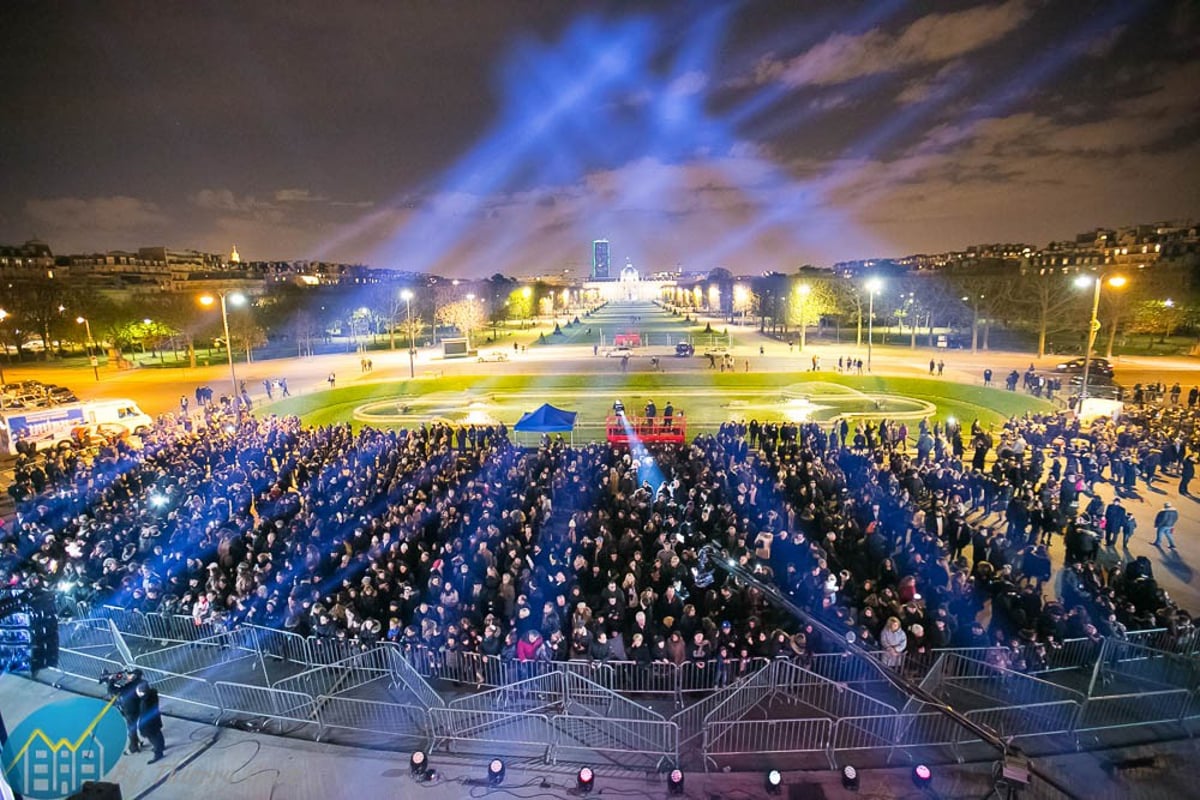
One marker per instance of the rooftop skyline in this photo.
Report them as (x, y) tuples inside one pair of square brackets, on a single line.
[(471, 138)]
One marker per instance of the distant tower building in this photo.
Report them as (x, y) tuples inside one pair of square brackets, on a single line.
[(235, 257), (600, 260)]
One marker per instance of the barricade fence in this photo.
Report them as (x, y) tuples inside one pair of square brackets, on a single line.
[(403, 725), (769, 737), (579, 710)]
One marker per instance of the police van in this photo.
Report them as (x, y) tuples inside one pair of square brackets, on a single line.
[(41, 428)]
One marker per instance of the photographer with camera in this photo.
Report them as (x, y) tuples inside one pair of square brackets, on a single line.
[(123, 688), (149, 722)]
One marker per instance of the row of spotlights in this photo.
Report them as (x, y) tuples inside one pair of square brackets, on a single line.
[(585, 780)]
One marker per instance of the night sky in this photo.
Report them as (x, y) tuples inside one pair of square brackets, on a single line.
[(468, 138)]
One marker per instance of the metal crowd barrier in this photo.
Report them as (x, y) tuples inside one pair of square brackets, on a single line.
[(358, 670), (767, 737), (1037, 719), (405, 725), (258, 704), (621, 740), (578, 710), (530, 734)]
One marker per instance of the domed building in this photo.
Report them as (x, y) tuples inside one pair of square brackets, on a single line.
[(628, 285)]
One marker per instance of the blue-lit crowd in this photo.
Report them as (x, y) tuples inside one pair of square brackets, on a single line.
[(453, 539)]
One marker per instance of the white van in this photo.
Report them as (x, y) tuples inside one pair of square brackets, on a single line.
[(46, 427)]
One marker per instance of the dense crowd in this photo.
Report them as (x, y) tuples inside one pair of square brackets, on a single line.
[(455, 540)]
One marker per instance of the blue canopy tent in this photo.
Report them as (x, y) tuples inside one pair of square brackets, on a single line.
[(546, 419)]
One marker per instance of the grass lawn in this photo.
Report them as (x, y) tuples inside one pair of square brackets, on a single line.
[(708, 399)]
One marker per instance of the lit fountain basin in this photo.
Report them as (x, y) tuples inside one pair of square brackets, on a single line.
[(812, 401)]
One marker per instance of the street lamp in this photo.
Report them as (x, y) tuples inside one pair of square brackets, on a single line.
[(91, 346), (471, 317), (873, 287), (1116, 281), (3, 316), (237, 298), (804, 290), (407, 297)]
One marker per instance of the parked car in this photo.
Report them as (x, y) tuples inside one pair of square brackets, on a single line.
[(685, 349), (1100, 366), (495, 355), (619, 351), (61, 394), (1099, 386)]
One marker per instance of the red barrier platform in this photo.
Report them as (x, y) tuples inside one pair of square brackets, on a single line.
[(622, 429)]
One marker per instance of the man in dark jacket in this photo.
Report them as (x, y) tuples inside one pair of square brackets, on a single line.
[(122, 686), (1164, 525), (150, 719), (1114, 521), (1187, 471)]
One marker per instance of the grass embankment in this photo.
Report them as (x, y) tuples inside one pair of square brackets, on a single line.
[(707, 398)]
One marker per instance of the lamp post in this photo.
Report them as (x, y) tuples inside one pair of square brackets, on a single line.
[(873, 286), (804, 290), (95, 362), (3, 316), (471, 317), (407, 296), (1116, 281), (238, 298)]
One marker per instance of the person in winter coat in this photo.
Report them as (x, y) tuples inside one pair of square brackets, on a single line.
[(150, 719), (894, 641), (530, 647)]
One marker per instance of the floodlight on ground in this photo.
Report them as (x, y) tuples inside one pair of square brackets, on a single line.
[(850, 778), (495, 774), (418, 765), (922, 776), (585, 780), (675, 781), (774, 782)]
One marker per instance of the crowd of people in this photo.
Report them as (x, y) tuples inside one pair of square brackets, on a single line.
[(454, 540)]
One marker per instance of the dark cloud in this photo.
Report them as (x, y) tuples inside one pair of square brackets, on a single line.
[(475, 137)]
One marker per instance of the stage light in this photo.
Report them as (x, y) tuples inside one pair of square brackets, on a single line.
[(922, 776), (495, 772), (774, 782), (850, 778), (675, 781), (418, 765), (585, 780)]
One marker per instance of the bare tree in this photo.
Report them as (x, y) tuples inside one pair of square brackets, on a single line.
[(1045, 298), (467, 316)]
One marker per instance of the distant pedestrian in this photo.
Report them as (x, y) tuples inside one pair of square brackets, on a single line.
[(183, 403), (332, 379), (1128, 528), (1164, 525), (941, 367), (932, 366), (987, 377), (1187, 471), (267, 386), (283, 390)]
